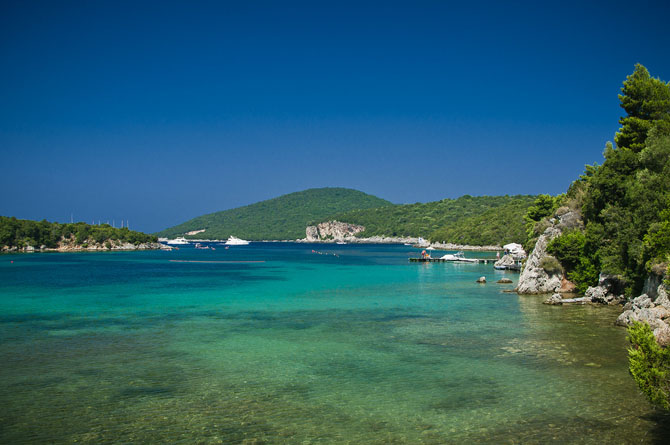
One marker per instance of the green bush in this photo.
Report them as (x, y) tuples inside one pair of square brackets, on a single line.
[(568, 248), (551, 265), (649, 364)]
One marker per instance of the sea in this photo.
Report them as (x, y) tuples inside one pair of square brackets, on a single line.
[(303, 344)]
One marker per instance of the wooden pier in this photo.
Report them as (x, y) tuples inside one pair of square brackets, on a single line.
[(515, 267), (440, 260)]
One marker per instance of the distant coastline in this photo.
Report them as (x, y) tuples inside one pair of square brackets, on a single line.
[(83, 248), (374, 240)]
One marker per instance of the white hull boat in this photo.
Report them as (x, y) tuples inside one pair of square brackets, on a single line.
[(177, 241), (458, 257), (232, 241)]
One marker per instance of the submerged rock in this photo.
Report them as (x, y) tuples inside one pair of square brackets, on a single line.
[(554, 300)]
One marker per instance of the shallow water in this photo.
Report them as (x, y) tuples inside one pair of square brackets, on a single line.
[(355, 345)]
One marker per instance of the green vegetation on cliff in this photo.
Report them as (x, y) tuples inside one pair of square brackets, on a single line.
[(625, 202), (23, 233), (285, 217), (481, 220)]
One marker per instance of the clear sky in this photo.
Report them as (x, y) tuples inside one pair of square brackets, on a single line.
[(157, 112)]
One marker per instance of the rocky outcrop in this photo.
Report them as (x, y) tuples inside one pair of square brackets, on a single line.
[(505, 261), (554, 300), (333, 230), (608, 291), (654, 312), (534, 279)]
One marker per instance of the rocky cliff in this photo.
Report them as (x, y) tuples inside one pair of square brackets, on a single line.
[(534, 278), (332, 230)]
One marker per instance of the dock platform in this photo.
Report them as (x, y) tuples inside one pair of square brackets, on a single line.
[(514, 267), (440, 260)]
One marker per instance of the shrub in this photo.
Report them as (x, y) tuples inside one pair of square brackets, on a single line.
[(568, 248), (649, 364), (551, 265)]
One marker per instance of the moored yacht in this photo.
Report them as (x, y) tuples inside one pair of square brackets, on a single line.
[(232, 241), (179, 240)]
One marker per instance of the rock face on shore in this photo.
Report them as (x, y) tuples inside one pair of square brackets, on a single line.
[(655, 312), (534, 279), (608, 291), (332, 230)]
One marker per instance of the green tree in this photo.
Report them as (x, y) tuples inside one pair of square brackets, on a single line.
[(645, 100)]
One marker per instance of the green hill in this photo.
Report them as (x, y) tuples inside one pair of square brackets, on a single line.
[(467, 220), (284, 217)]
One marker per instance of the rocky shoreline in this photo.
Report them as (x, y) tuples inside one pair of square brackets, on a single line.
[(652, 307), (84, 247), (336, 231)]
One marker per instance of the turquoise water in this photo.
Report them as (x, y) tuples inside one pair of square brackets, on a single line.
[(355, 345)]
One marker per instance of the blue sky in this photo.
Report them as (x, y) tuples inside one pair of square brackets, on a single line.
[(157, 112)]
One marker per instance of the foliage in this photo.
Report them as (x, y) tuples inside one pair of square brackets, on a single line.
[(536, 218), (481, 220), (22, 232), (575, 253), (646, 100), (284, 217), (625, 201), (649, 364), (551, 265)]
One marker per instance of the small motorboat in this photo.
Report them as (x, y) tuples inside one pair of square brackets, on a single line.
[(459, 257)]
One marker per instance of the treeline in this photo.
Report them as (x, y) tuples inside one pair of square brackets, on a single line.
[(625, 202), (23, 233), (472, 220)]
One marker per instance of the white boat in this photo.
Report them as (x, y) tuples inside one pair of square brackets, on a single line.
[(232, 241), (458, 257), (340, 242), (179, 240)]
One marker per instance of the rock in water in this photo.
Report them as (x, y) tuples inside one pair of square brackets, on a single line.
[(481, 280), (505, 261), (504, 281), (554, 300)]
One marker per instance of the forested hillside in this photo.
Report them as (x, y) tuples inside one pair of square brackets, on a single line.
[(285, 217), (23, 233), (467, 220)]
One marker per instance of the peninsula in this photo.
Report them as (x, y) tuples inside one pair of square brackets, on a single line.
[(21, 235)]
